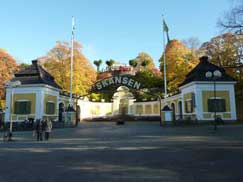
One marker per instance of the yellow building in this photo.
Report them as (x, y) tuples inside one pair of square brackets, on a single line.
[(207, 92), (36, 96)]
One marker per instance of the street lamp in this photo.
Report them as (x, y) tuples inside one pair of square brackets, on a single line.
[(160, 108), (12, 85), (214, 76)]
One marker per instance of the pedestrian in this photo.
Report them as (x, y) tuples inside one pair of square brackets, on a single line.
[(48, 128), (39, 129)]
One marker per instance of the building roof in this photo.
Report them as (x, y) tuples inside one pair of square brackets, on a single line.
[(35, 74), (198, 73)]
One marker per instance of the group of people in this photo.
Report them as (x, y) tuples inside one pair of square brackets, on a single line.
[(42, 127)]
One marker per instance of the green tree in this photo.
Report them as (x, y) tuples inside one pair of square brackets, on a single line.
[(97, 64), (24, 66), (149, 79), (152, 82), (133, 63), (145, 63), (109, 63), (57, 62)]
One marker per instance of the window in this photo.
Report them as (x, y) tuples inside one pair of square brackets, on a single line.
[(50, 108), (188, 105), (216, 105), (22, 107)]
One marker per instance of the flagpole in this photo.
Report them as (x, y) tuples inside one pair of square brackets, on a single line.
[(71, 66), (165, 82)]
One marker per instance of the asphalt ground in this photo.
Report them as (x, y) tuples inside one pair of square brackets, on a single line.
[(136, 151)]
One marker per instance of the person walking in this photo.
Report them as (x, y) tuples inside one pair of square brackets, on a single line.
[(39, 129), (48, 128)]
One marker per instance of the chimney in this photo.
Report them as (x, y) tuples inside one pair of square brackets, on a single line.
[(203, 59)]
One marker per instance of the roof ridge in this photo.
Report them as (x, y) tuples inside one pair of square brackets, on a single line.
[(36, 74), (198, 72)]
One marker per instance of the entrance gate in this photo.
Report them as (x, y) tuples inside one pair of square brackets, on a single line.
[(122, 100), (119, 92)]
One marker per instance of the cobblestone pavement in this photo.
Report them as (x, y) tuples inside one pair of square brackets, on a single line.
[(142, 151)]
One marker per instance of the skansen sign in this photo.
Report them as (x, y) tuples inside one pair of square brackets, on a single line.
[(117, 80)]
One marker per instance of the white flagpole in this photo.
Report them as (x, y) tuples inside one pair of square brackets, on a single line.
[(71, 66), (165, 82)]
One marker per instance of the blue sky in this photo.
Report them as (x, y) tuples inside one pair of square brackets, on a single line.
[(107, 29)]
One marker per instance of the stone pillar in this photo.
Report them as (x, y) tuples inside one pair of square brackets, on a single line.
[(39, 105), (131, 103), (115, 106), (8, 105)]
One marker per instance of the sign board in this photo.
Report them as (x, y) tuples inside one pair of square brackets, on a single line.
[(117, 80)]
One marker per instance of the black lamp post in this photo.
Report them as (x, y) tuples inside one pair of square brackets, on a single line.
[(214, 75)]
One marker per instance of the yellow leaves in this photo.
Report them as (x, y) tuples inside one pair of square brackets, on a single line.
[(142, 56), (7, 68), (178, 63), (223, 49), (58, 64)]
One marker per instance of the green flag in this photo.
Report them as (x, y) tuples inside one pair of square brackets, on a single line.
[(166, 29)]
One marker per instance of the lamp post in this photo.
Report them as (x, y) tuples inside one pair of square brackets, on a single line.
[(160, 114), (214, 75), (12, 85)]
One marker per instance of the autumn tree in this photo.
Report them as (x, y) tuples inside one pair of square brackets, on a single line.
[(178, 63), (224, 50), (8, 67), (193, 43), (57, 62), (142, 56)]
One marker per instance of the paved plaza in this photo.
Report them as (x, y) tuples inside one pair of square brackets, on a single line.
[(142, 151)]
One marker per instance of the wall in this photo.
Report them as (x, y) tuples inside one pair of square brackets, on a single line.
[(146, 108), (94, 109), (104, 109)]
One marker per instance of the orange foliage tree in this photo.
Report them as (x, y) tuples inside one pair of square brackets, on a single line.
[(226, 51), (8, 66), (57, 62), (143, 62), (179, 61)]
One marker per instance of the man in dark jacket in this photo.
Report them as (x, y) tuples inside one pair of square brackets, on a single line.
[(39, 128)]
